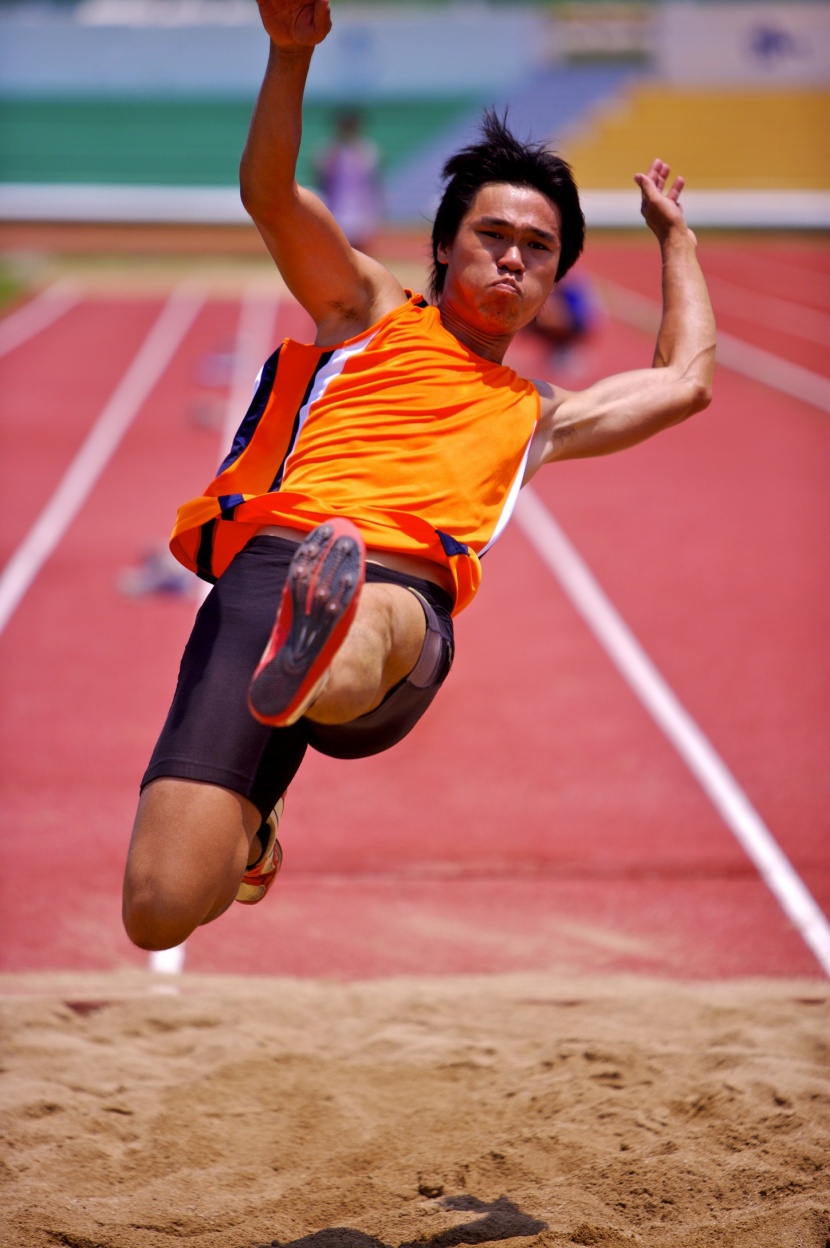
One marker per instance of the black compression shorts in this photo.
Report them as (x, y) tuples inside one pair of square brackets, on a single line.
[(210, 735)]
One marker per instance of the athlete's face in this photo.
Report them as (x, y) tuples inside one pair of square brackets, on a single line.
[(502, 264)]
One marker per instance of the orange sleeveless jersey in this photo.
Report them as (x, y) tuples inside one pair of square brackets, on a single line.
[(403, 430)]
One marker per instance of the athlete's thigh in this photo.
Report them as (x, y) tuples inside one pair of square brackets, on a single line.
[(209, 735)]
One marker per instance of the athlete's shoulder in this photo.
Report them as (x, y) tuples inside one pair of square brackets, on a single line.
[(412, 314), (550, 397)]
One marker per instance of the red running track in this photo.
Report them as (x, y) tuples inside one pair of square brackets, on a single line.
[(538, 818)]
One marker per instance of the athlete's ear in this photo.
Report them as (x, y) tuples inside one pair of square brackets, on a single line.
[(442, 254)]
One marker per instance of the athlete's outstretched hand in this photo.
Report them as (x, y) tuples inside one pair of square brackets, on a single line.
[(294, 24), (661, 208)]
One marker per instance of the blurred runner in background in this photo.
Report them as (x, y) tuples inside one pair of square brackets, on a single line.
[(568, 319), (349, 177)]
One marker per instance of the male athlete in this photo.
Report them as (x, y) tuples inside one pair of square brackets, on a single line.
[(371, 471)]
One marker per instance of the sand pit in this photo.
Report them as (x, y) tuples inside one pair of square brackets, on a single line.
[(524, 1109)]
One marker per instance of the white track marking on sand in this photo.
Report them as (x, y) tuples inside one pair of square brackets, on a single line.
[(741, 357), (694, 748), (99, 445), (167, 961), (254, 343), (32, 317)]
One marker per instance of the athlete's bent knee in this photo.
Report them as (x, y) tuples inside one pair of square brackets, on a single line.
[(153, 927)]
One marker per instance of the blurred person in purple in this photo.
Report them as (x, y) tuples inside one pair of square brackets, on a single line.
[(348, 175)]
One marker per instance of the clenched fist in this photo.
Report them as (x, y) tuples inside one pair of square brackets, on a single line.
[(294, 24)]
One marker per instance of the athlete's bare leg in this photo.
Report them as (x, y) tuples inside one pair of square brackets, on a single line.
[(190, 845), (381, 648), (192, 841)]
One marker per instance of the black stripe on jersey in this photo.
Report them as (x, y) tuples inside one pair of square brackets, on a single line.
[(204, 555), (321, 363), (451, 545), (252, 417), (229, 503)]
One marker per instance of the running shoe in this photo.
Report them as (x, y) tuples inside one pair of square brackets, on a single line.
[(318, 604), (261, 874)]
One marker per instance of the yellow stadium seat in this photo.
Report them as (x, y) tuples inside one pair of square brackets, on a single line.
[(738, 139)]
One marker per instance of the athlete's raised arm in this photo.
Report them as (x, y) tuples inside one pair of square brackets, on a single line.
[(623, 410), (343, 290)]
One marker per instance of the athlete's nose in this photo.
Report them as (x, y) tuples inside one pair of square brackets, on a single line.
[(512, 258)]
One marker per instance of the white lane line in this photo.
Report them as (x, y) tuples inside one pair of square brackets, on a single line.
[(741, 357), (32, 317), (784, 275), (729, 799), (101, 442), (796, 319), (773, 371), (254, 343)]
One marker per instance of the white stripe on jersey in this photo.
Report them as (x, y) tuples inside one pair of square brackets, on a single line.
[(333, 368), (510, 501)]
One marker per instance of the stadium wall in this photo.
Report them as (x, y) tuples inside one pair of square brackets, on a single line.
[(106, 51), (367, 55)]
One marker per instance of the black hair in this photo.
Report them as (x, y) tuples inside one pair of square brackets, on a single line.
[(501, 157)]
